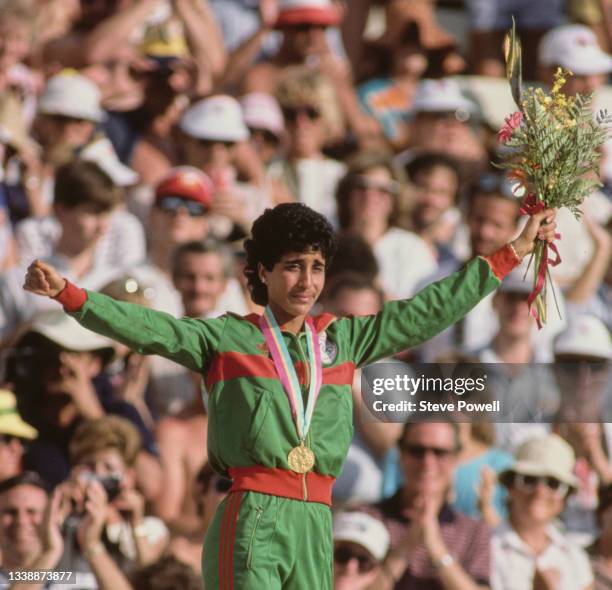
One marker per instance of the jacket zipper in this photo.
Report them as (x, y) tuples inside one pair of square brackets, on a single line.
[(250, 552)]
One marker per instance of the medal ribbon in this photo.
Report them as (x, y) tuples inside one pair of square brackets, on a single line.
[(286, 371)]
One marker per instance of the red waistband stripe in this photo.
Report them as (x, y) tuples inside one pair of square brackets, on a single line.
[(283, 483)]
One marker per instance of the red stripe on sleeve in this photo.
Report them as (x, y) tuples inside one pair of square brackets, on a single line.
[(503, 261), (71, 297)]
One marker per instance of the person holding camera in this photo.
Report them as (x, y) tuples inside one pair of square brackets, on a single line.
[(103, 452), (31, 537)]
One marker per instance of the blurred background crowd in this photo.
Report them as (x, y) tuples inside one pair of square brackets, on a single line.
[(139, 139)]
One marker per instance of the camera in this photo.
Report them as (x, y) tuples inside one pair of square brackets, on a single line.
[(110, 483)]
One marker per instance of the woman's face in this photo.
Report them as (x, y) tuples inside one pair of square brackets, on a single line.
[(294, 283), (372, 196), (536, 502), (208, 154)]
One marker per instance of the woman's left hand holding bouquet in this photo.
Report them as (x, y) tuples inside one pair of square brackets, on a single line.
[(540, 226)]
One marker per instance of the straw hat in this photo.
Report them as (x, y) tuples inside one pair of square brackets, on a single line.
[(10, 420), (549, 456)]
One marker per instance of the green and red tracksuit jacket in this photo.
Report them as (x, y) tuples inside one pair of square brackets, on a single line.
[(251, 429)]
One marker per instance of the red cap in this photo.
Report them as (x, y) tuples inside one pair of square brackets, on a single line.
[(186, 182), (309, 12)]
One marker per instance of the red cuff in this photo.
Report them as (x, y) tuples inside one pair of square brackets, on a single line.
[(71, 297), (503, 261)]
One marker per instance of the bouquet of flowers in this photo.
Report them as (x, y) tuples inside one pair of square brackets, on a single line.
[(554, 150)]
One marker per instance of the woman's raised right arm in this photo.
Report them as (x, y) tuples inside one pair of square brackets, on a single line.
[(188, 342)]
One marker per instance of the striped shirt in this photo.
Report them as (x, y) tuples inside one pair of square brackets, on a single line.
[(467, 540)]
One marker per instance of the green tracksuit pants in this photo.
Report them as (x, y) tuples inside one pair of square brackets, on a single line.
[(262, 542)]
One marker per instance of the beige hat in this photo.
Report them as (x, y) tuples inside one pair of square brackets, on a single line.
[(10, 420), (548, 456), (364, 530)]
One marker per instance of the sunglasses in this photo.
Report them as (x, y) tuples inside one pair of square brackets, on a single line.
[(420, 451), (63, 119), (303, 27), (266, 134), (172, 204), (208, 143), (575, 365), (366, 183), (489, 182), (343, 554), (291, 114), (531, 482)]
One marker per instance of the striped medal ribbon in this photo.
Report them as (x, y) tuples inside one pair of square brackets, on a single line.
[(301, 459)]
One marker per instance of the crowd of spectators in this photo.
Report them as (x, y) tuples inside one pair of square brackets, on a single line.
[(139, 139)]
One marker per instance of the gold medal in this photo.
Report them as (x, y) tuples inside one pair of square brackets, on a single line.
[(301, 459)]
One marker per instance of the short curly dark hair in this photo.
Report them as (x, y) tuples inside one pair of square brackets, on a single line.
[(289, 227)]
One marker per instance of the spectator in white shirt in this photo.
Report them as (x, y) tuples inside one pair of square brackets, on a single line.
[(368, 199), (310, 117), (528, 551), (84, 238)]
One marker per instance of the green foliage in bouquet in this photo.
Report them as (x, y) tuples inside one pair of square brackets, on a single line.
[(555, 145), (554, 151)]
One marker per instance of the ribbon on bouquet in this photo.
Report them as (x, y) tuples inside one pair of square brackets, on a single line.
[(531, 205)]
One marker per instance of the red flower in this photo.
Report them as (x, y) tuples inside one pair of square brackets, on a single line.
[(512, 122)]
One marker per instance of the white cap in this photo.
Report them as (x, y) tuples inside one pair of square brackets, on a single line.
[(442, 96), (218, 117), (548, 456), (574, 47), (72, 95), (585, 335), (363, 529), (262, 111), (101, 152), (515, 282), (69, 334)]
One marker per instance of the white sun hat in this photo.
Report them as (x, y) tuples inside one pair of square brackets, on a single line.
[(262, 111), (442, 96), (218, 117), (587, 336), (67, 333), (71, 95), (101, 152), (574, 47), (364, 530)]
